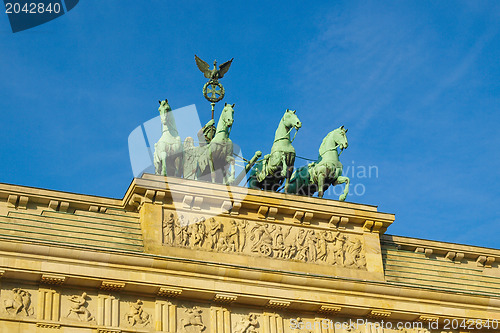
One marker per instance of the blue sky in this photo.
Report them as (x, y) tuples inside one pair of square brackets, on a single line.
[(416, 82)]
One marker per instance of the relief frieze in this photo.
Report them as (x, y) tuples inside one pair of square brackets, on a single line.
[(19, 303), (78, 308), (137, 316), (247, 324), (264, 239), (193, 321)]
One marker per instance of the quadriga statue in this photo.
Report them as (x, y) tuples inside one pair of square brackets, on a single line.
[(270, 173), (327, 170)]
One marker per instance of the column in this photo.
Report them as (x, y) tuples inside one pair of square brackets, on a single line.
[(108, 311), (166, 317), (266, 322), (48, 304), (272, 323), (220, 320)]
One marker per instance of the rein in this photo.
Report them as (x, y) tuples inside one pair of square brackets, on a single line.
[(287, 136), (332, 149), (228, 128)]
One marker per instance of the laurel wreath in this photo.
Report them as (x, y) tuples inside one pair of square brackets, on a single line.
[(213, 99)]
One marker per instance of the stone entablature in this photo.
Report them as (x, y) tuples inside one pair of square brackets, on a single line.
[(457, 253), (217, 199), (270, 259), (24, 307)]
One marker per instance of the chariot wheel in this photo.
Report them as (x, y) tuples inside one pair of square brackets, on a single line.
[(213, 91), (265, 249)]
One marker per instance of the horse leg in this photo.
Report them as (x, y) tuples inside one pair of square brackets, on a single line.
[(163, 163), (229, 180), (289, 162), (284, 168), (342, 180), (321, 172), (211, 164), (157, 163), (178, 166)]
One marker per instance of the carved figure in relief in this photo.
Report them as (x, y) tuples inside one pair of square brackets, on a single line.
[(310, 243), (290, 250), (199, 232), (256, 236), (279, 247), (185, 232), (322, 246), (215, 227), (262, 238), (20, 301), (137, 315), (242, 228), (179, 224), (194, 322), (233, 237), (300, 245), (247, 324), (79, 307), (168, 229), (353, 255), (338, 249)]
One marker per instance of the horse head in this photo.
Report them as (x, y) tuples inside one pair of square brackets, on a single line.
[(339, 137), (164, 109), (227, 115), (290, 119), (167, 117), (164, 106)]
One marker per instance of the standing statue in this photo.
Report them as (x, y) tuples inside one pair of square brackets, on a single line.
[(326, 171), (270, 173), (168, 150), (216, 159)]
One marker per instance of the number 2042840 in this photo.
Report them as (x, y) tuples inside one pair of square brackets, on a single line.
[(32, 8)]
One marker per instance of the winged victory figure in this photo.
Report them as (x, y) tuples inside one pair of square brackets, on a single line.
[(213, 74)]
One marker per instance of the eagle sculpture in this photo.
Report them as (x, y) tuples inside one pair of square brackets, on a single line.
[(212, 74)]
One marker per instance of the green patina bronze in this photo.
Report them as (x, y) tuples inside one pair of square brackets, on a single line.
[(168, 150), (277, 166), (327, 170), (215, 160), (213, 90)]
